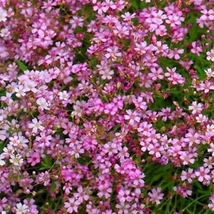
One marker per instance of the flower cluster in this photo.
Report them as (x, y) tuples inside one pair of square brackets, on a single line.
[(106, 106)]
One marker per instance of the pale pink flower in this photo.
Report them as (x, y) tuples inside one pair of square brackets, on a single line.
[(211, 149), (187, 175), (36, 126), (196, 107), (155, 196), (201, 118), (133, 117), (42, 103), (21, 208), (209, 72), (16, 160), (20, 91), (203, 174), (210, 55), (81, 194), (106, 74), (3, 15)]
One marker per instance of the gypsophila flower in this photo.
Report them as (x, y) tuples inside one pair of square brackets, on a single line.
[(36, 126), (72, 205), (106, 74), (21, 208), (101, 100), (133, 117), (63, 95), (210, 55), (155, 196), (209, 72), (3, 15), (196, 107), (16, 160), (42, 103), (2, 162)]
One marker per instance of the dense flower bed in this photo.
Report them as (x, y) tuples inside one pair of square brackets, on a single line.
[(106, 106)]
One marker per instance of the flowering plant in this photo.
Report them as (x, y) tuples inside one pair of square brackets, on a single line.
[(106, 106)]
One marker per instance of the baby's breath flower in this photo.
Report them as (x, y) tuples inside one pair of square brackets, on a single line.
[(3, 15)]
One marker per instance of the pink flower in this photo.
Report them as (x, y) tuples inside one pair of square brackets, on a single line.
[(209, 72), (100, 7), (3, 15), (155, 196), (210, 55), (132, 117), (203, 174), (36, 126), (173, 77), (81, 195), (113, 53), (187, 175), (34, 158), (124, 195), (72, 205), (211, 202), (183, 190), (196, 107)]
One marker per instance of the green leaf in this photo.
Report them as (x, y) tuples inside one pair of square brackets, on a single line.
[(21, 65), (46, 163)]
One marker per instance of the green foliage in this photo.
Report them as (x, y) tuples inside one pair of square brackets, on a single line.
[(22, 65)]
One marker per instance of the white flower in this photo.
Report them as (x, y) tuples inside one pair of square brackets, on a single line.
[(77, 111), (31, 86), (5, 32), (43, 104), (63, 95), (209, 72), (2, 162), (36, 125), (20, 91), (201, 118), (21, 208), (106, 74), (3, 15), (16, 160), (195, 107)]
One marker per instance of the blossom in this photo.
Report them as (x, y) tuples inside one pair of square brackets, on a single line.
[(16, 160), (183, 190), (202, 174), (124, 195), (63, 95), (196, 107), (155, 196), (43, 104), (3, 15), (201, 118), (133, 117), (81, 194), (2, 162), (33, 158), (106, 74), (21, 208), (173, 77), (123, 208), (187, 175), (36, 126), (210, 55), (211, 202), (20, 91), (72, 205), (209, 72)]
